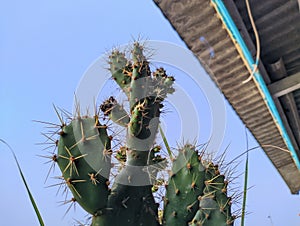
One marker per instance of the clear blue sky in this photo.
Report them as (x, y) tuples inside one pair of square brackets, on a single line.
[(45, 47)]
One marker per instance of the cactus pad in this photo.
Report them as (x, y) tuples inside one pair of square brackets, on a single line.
[(84, 157)]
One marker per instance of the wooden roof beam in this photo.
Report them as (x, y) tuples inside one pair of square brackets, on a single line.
[(285, 85)]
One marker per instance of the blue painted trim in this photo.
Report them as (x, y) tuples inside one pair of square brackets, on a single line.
[(229, 23)]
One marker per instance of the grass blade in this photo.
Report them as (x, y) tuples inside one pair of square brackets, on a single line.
[(245, 185), (165, 141), (245, 192), (27, 188)]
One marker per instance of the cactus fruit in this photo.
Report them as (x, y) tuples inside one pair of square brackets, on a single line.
[(196, 192)]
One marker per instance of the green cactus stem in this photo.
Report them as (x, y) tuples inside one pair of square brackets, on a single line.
[(115, 111), (214, 204), (131, 195), (84, 157), (185, 185), (196, 193), (121, 70)]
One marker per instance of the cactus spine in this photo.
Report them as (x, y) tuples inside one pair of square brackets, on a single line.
[(196, 193)]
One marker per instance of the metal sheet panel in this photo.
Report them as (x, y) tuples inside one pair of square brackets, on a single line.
[(199, 26)]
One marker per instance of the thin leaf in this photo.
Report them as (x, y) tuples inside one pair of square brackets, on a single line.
[(165, 141), (245, 185), (27, 188)]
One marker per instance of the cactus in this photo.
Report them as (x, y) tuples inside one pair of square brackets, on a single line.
[(196, 193), (131, 196), (84, 157), (214, 205), (186, 184)]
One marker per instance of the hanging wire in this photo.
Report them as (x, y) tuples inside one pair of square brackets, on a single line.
[(257, 42)]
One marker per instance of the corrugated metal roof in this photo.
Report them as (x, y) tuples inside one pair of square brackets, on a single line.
[(278, 24), (277, 21)]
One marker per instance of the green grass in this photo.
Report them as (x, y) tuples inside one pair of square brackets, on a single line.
[(37, 212)]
